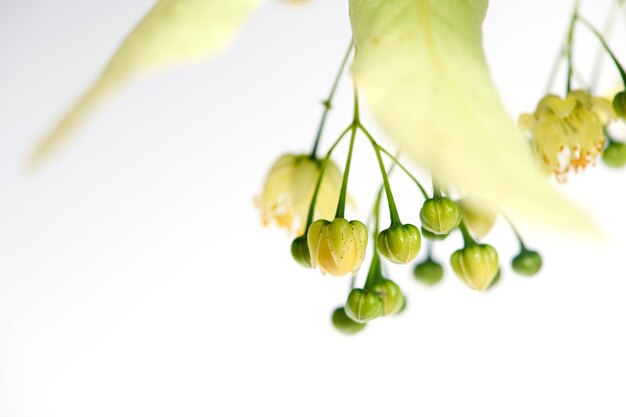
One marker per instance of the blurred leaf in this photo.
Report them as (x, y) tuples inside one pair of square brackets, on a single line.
[(421, 67), (173, 32)]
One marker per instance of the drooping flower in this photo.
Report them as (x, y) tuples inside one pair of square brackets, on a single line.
[(289, 188), (568, 133), (338, 247)]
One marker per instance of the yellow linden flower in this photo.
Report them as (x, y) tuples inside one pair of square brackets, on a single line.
[(289, 188), (337, 247), (568, 133)]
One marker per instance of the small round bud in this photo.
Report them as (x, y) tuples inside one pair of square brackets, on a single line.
[(615, 154), (390, 294), (337, 247), (363, 305), (476, 265), (440, 215), (300, 251), (619, 104), (528, 263), (400, 244), (478, 217), (431, 236), (345, 324), (428, 272)]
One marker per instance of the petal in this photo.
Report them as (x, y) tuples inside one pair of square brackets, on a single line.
[(421, 67), (174, 31)]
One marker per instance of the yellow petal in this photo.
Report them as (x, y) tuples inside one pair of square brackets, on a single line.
[(173, 32), (420, 65)]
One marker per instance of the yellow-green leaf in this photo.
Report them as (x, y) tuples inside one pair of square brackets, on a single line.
[(421, 67), (173, 32)]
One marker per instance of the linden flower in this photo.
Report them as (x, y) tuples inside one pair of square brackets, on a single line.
[(289, 188), (337, 247), (420, 67), (568, 133)]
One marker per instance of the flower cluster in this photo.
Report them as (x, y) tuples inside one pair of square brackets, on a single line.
[(302, 192), (571, 133)]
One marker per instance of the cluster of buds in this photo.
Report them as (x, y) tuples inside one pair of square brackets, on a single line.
[(302, 192), (337, 246)]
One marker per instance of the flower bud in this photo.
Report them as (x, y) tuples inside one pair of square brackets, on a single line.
[(440, 215), (300, 251), (615, 154), (528, 263), (431, 236), (428, 272), (400, 244), (345, 324), (619, 104), (390, 294), (478, 217), (337, 247), (289, 188), (476, 265), (363, 305)]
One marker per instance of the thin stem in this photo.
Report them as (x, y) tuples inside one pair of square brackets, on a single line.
[(607, 30), (589, 26), (468, 240), (341, 205), (356, 119), (394, 159), (436, 189), (393, 210), (569, 46), (328, 102), (374, 272), (321, 176), (516, 232)]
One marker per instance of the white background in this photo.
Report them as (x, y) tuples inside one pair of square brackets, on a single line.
[(136, 280)]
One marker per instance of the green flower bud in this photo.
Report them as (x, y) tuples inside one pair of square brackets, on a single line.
[(399, 244), (440, 215), (390, 294), (363, 305), (428, 272), (345, 324), (300, 251), (431, 236), (476, 265), (615, 154), (337, 247), (528, 263), (619, 104)]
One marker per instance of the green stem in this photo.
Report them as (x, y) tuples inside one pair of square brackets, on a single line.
[(516, 232), (468, 240), (589, 26), (394, 159), (341, 205), (374, 272), (393, 210), (320, 176), (328, 102), (569, 47), (436, 189)]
